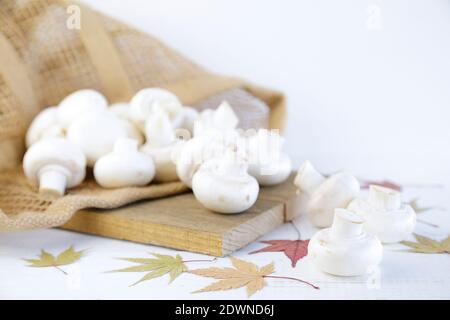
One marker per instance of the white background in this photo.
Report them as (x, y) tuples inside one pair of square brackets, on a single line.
[(367, 81)]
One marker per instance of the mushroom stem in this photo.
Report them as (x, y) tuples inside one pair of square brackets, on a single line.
[(308, 178), (158, 130), (225, 116), (346, 224), (384, 199), (232, 165), (53, 179)]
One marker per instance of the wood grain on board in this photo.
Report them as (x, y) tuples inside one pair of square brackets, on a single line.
[(180, 222)]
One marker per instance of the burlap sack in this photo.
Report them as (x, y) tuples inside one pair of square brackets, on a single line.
[(43, 58)]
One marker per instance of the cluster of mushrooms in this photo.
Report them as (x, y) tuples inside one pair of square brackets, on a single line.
[(355, 227), (155, 138)]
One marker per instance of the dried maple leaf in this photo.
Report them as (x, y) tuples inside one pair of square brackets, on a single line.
[(46, 259), (244, 274), (293, 249), (163, 264), (418, 209), (427, 245)]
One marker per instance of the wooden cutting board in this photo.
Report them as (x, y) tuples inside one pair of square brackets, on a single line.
[(180, 222)]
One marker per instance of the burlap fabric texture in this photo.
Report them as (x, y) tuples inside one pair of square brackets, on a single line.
[(43, 59)]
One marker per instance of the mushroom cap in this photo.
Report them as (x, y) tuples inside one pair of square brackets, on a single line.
[(55, 152), (121, 109), (350, 253), (308, 178), (384, 199), (78, 104), (267, 163), (221, 119), (133, 131), (226, 192), (385, 218), (163, 157), (185, 119), (350, 258), (193, 153), (44, 125), (335, 192), (273, 173), (391, 226), (189, 160), (124, 167), (144, 103), (158, 130), (96, 132), (161, 145)]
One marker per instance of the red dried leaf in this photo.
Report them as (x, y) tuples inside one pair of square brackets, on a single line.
[(293, 249), (384, 183)]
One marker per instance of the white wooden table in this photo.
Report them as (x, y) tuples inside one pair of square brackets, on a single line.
[(401, 275)]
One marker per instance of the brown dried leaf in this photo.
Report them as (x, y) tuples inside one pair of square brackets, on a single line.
[(244, 274), (255, 285), (293, 249), (244, 266), (383, 183)]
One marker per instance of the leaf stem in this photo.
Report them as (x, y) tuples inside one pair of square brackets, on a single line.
[(58, 268), (294, 279), (296, 229), (428, 223), (199, 260), (424, 185)]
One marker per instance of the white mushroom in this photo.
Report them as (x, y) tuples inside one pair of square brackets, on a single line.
[(185, 119), (161, 145), (267, 162), (132, 131), (223, 185), (44, 125), (211, 121), (345, 249), (385, 215), (325, 194), (96, 132), (78, 104), (55, 164), (202, 148), (125, 166), (149, 100), (121, 109)]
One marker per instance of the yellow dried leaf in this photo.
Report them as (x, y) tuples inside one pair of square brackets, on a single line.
[(427, 245), (163, 264), (46, 259), (68, 256)]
